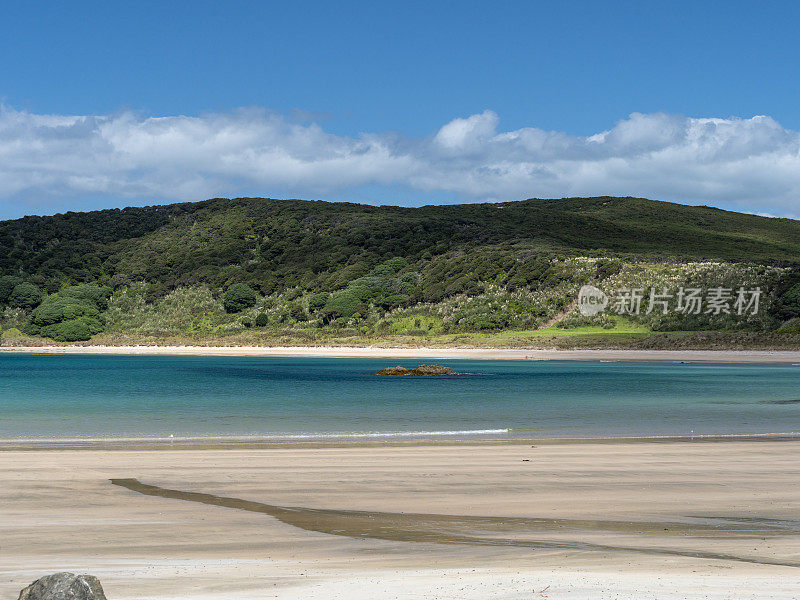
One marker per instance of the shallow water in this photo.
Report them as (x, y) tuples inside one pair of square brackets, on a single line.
[(85, 396), (501, 531)]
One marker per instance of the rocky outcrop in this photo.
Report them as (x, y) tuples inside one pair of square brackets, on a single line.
[(64, 586), (433, 370)]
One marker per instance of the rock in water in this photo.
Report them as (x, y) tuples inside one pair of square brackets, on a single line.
[(64, 586), (398, 370), (435, 370)]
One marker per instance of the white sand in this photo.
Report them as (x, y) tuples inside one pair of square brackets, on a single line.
[(59, 512), (729, 356)]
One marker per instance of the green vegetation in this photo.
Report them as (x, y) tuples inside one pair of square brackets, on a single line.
[(273, 245), (71, 314), (12, 334), (791, 326), (7, 285), (261, 271), (238, 297), (25, 295)]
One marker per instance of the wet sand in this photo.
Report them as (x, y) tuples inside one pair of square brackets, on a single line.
[(679, 519)]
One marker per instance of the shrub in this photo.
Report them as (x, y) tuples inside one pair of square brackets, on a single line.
[(792, 297), (12, 334), (238, 297), (56, 309), (7, 285), (188, 310), (318, 301), (73, 330), (791, 326), (26, 295), (296, 311), (262, 319), (607, 267), (88, 294), (71, 314), (391, 266), (343, 304)]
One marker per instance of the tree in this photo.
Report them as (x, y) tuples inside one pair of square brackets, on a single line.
[(262, 319), (7, 285), (296, 311), (88, 293), (26, 295), (317, 301), (792, 297), (238, 297), (343, 304)]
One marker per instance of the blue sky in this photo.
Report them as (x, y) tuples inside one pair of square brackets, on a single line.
[(350, 101)]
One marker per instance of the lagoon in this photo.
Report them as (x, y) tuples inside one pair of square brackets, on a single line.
[(269, 398)]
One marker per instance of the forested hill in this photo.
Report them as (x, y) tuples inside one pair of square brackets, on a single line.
[(275, 244)]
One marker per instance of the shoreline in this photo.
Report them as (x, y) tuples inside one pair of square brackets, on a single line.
[(692, 356), (321, 443)]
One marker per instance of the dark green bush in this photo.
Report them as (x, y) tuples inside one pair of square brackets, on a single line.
[(26, 295), (606, 267), (7, 285), (238, 297), (88, 294), (792, 297), (318, 301), (73, 330), (71, 314), (296, 311), (55, 309), (391, 266), (262, 320), (343, 304)]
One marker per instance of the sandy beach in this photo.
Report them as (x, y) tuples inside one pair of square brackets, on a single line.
[(720, 356), (680, 519)]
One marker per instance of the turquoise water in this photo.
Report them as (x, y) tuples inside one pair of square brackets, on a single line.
[(290, 398)]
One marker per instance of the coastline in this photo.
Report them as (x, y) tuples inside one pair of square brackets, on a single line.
[(694, 356), (184, 517), (321, 442)]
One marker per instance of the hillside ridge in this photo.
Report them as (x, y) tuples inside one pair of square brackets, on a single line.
[(281, 243)]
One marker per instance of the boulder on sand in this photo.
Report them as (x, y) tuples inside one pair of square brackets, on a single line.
[(434, 370), (64, 586)]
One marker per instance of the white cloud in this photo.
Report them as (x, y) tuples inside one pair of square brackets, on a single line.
[(468, 134), (753, 164)]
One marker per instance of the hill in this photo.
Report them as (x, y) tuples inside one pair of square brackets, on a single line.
[(313, 264), (274, 244)]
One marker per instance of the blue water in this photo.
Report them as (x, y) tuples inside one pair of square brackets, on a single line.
[(156, 396)]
